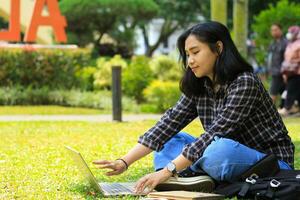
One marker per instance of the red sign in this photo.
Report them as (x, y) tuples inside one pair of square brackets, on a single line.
[(54, 19)]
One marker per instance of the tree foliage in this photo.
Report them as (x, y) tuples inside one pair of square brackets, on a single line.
[(284, 13), (176, 15), (88, 21)]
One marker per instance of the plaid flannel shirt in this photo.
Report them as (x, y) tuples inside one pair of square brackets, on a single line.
[(242, 111)]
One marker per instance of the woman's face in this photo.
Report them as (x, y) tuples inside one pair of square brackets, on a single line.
[(200, 57)]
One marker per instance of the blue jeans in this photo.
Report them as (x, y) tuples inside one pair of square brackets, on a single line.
[(224, 159)]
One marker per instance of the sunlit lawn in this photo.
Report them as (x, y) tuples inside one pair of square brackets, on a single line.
[(48, 110), (35, 165)]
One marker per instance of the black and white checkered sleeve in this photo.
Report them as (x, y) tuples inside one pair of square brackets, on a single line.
[(174, 119)]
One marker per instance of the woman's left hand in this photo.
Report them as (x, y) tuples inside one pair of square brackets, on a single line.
[(150, 181)]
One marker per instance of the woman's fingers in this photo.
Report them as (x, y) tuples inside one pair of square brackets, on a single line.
[(111, 173), (150, 181), (140, 183), (101, 164), (147, 185), (107, 166), (116, 168), (151, 187)]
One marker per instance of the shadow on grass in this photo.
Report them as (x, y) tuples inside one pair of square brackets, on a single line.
[(86, 191)]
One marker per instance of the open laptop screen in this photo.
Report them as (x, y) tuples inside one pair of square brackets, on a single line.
[(83, 167)]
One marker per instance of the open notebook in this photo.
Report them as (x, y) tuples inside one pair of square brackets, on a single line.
[(184, 195)]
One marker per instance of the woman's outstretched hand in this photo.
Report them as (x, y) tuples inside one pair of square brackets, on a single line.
[(117, 166), (147, 183)]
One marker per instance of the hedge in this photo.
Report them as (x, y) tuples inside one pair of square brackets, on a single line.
[(43, 67), (75, 98)]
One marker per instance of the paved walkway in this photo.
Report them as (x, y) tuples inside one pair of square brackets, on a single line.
[(92, 118)]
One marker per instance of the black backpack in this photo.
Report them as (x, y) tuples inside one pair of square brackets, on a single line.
[(264, 180), (285, 185)]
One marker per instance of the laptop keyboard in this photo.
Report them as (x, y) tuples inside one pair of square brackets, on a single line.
[(116, 188)]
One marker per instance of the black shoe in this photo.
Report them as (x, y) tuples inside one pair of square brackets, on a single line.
[(188, 172)]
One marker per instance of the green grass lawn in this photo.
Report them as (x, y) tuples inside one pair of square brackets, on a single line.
[(35, 165), (48, 110)]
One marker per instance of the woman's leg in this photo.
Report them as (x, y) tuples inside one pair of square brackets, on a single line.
[(297, 91), (292, 91), (224, 159), (171, 149)]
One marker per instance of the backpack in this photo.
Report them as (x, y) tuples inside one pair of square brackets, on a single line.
[(285, 185), (264, 180)]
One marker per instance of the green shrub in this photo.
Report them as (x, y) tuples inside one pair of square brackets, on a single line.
[(86, 77), (102, 77), (149, 108), (165, 68), (24, 96), (162, 94), (42, 67), (75, 98), (136, 77), (284, 13)]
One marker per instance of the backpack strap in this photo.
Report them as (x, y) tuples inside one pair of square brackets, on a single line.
[(272, 188), (247, 184)]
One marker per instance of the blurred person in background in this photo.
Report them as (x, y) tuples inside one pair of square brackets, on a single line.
[(291, 72), (275, 59)]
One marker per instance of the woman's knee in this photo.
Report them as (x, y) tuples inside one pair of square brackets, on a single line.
[(222, 148), (225, 158)]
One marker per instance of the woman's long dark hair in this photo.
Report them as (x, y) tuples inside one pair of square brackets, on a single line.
[(228, 65)]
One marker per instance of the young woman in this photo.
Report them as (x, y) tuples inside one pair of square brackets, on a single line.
[(240, 121)]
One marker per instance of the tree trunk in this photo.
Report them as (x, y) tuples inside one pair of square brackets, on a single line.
[(240, 25), (97, 42), (167, 29), (151, 48), (219, 11), (145, 37)]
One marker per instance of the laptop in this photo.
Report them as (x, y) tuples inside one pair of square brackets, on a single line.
[(107, 189)]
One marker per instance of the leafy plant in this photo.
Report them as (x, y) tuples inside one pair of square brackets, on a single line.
[(137, 77), (162, 94), (42, 67), (75, 98), (103, 75), (86, 77), (165, 68)]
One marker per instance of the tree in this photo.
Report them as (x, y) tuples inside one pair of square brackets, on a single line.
[(284, 13), (176, 15), (240, 25), (88, 21), (257, 6), (136, 11), (219, 11)]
